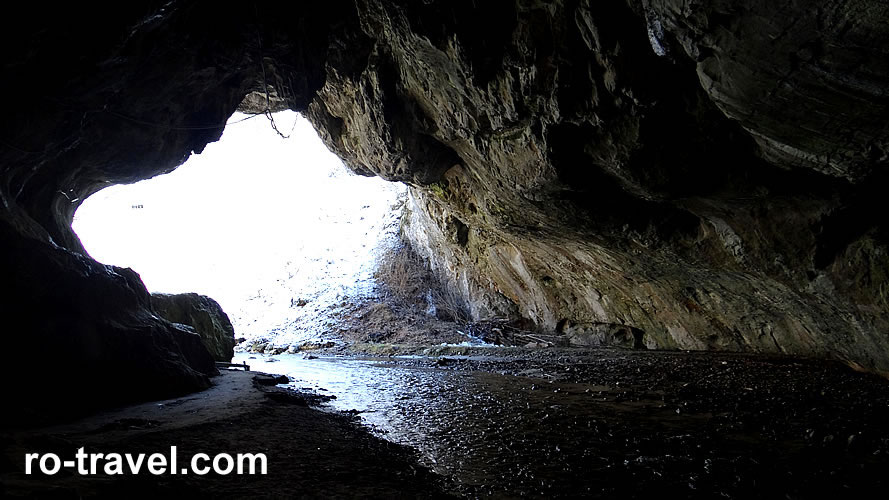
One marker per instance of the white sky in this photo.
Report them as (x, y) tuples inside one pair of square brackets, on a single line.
[(251, 212)]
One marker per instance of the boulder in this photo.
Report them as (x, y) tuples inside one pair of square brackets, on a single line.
[(204, 315)]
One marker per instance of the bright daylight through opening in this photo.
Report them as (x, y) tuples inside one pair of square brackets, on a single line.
[(279, 232)]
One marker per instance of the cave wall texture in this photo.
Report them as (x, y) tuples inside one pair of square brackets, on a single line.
[(706, 174)]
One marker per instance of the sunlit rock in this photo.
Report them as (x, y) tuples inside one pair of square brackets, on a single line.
[(204, 315)]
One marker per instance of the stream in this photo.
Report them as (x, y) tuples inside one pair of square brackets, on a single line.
[(598, 425)]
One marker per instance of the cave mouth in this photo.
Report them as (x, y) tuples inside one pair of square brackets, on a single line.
[(272, 226)]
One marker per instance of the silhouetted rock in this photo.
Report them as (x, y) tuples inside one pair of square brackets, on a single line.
[(88, 325)]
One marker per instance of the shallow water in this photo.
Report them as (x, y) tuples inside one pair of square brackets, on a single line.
[(491, 431), (544, 428)]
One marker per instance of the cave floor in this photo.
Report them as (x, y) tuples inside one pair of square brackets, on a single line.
[(504, 422), (310, 453)]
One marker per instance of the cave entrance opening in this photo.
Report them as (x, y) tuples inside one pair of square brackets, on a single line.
[(278, 231)]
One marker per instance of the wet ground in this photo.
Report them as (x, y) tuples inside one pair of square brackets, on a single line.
[(310, 454), (502, 423), (612, 423)]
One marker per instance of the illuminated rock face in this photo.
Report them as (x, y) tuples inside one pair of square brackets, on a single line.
[(702, 176), (673, 175)]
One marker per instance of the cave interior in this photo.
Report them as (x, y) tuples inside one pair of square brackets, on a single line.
[(658, 174)]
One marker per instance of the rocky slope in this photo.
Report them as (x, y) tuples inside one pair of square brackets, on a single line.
[(696, 175)]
